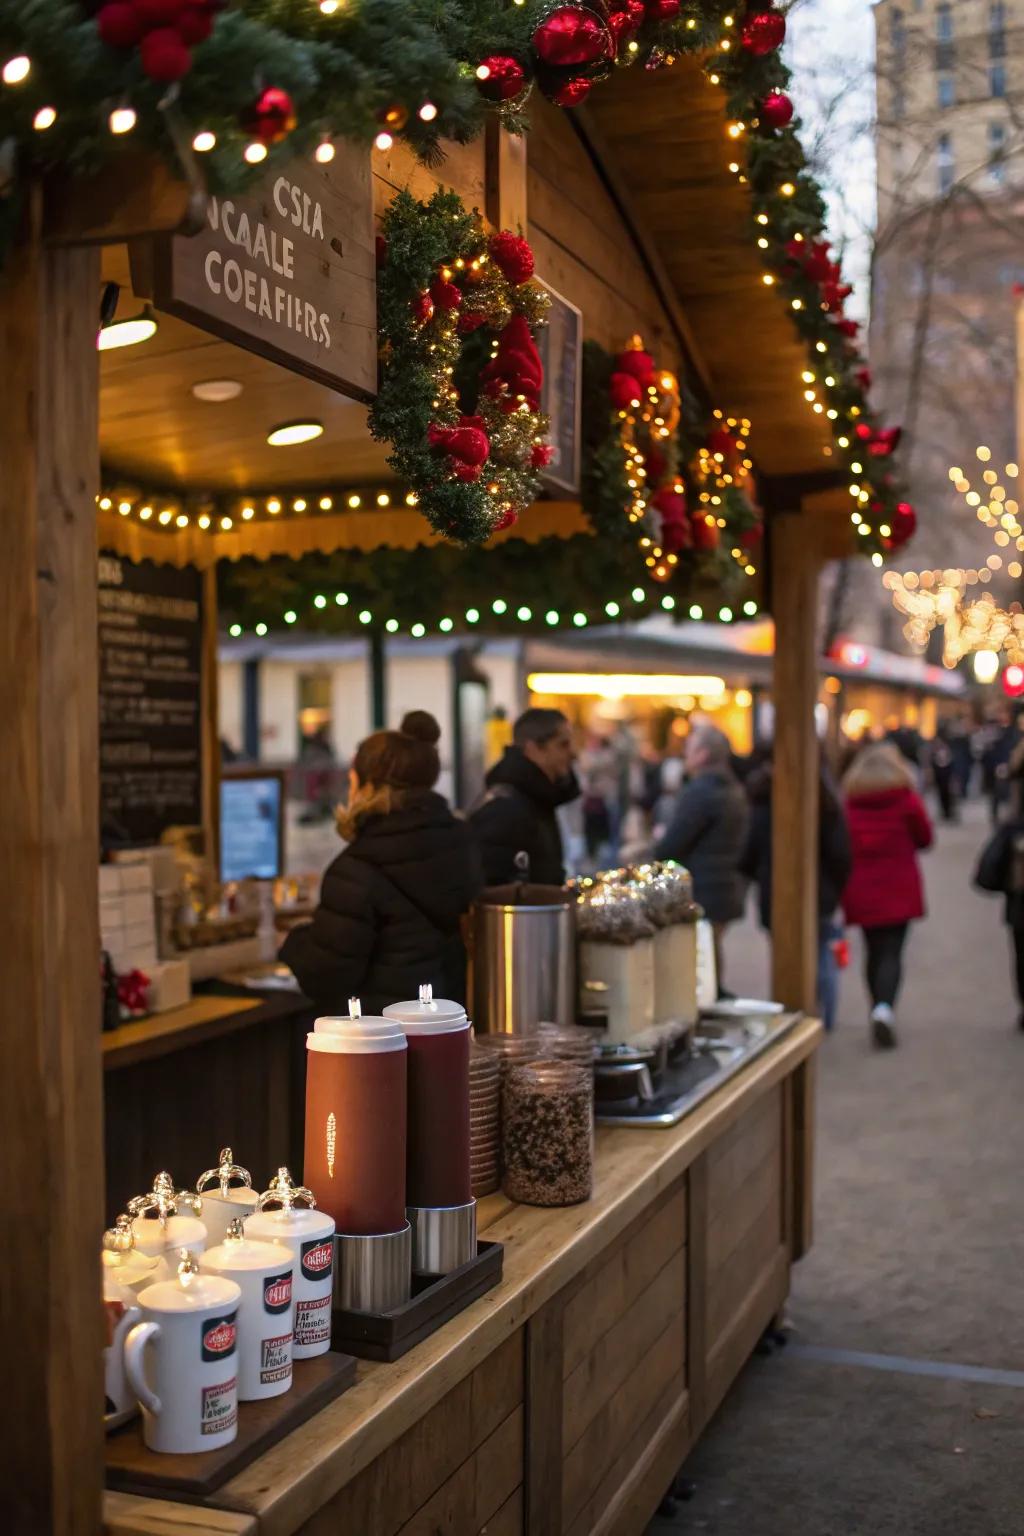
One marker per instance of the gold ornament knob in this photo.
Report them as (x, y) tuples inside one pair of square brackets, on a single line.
[(282, 1192), (225, 1171)]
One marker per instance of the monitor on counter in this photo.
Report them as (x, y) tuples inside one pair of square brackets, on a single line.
[(251, 824)]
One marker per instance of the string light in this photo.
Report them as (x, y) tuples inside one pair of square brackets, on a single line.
[(255, 152), (17, 69), (324, 152), (123, 120), (44, 118), (204, 141)]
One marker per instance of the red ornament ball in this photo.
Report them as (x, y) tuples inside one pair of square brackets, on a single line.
[(903, 524), (445, 294), (467, 472), (271, 118), (541, 455), (624, 391), (163, 55), (637, 363), (571, 93), (504, 79), (572, 35), (423, 308), (512, 256), (158, 13), (763, 32), (624, 21), (194, 25), (777, 110), (471, 320), (705, 534), (507, 518), (119, 24), (662, 10)]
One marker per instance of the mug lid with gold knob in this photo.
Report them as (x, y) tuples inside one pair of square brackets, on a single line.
[(226, 1171)]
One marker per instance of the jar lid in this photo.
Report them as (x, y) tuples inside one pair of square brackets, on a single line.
[(355, 1036), (240, 1252), (191, 1291), (226, 1170), (428, 1015)]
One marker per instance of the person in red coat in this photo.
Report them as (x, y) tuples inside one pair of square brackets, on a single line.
[(884, 895)]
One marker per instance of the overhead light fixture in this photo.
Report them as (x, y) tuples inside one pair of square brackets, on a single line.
[(290, 432), (127, 333), (621, 685), (216, 391)]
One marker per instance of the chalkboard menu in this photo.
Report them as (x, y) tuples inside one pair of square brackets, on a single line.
[(150, 635)]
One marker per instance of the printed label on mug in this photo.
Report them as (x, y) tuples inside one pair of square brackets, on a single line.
[(313, 1321), (277, 1292), (275, 1359), (220, 1407), (317, 1258), (219, 1337)]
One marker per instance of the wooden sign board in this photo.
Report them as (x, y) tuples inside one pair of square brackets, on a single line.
[(560, 343), (287, 271)]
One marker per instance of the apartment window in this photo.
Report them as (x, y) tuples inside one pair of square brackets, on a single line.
[(944, 24), (946, 164), (997, 153), (947, 89), (997, 80)]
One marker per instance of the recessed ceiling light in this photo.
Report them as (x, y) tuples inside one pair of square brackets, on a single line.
[(216, 391), (127, 333), (294, 432)]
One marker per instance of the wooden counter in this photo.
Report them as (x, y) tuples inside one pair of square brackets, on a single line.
[(565, 1400)]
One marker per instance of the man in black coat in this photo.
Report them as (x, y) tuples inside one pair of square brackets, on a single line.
[(516, 815)]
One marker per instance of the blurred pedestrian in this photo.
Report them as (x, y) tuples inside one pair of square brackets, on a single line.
[(708, 831), (834, 862), (598, 771), (1000, 738), (515, 820), (888, 826), (940, 759), (1001, 869)]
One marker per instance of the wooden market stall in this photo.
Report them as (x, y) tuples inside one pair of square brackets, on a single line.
[(538, 1388)]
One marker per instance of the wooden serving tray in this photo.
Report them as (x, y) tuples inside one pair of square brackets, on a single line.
[(390, 1335), (132, 1468)]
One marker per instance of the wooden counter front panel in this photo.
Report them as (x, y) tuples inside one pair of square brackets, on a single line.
[(741, 1184), (607, 1381), (459, 1470)]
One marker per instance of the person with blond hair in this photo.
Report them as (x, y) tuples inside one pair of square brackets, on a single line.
[(391, 903), (889, 826)]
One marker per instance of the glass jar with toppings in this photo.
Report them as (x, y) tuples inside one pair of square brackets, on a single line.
[(548, 1133)]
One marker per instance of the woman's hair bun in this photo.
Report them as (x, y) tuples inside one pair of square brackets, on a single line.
[(421, 726)]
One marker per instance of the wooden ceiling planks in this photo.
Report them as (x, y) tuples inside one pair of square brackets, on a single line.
[(666, 135)]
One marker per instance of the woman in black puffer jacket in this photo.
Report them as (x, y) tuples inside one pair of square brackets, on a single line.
[(391, 902)]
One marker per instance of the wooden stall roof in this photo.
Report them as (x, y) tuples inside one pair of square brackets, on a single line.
[(659, 144)]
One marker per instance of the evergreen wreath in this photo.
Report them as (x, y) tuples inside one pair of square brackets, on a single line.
[(460, 386)]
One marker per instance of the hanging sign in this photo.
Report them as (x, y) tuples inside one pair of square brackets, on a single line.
[(150, 646), (286, 271)]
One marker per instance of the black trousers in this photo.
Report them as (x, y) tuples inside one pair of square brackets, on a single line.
[(885, 961), (1018, 954)]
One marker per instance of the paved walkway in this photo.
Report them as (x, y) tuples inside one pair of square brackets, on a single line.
[(897, 1408)]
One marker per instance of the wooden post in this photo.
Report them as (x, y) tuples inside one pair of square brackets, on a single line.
[(794, 593), (50, 1086), (378, 658)]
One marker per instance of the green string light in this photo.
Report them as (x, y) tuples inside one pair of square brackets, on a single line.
[(261, 629), (750, 607), (391, 626), (418, 631), (612, 610), (524, 613), (696, 612), (235, 631), (552, 616), (472, 615), (290, 616), (668, 602), (725, 614), (580, 620), (638, 594), (341, 598), (319, 601), (499, 605), (446, 625), (366, 617)]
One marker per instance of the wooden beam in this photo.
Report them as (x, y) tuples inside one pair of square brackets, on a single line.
[(793, 574), (137, 196), (50, 1104), (604, 161), (504, 177)]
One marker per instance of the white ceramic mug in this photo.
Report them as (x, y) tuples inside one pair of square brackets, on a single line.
[(182, 1360), (224, 1201), (264, 1275)]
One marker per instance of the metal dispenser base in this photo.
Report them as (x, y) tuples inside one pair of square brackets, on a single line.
[(443, 1237), (373, 1274)]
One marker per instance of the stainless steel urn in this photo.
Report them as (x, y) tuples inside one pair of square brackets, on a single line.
[(523, 959)]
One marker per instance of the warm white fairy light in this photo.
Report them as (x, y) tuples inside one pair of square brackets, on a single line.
[(44, 118), (324, 152), (17, 69), (204, 141), (255, 152), (122, 120)]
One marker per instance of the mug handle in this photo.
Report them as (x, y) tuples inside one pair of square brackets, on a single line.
[(134, 1348)]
